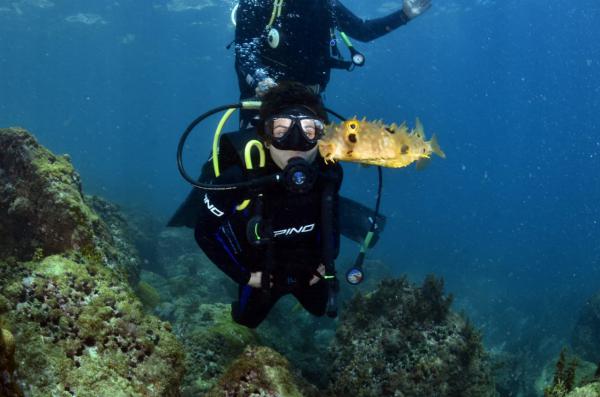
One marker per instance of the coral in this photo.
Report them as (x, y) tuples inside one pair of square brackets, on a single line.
[(260, 371), (404, 340), (586, 334)]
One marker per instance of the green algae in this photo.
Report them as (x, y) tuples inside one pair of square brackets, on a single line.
[(573, 376), (212, 344), (590, 390), (84, 329), (262, 371), (148, 295), (404, 339)]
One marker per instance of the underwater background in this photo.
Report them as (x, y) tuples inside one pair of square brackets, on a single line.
[(511, 88)]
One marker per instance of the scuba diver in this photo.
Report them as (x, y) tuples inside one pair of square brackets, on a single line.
[(266, 208), (277, 40), (285, 238)]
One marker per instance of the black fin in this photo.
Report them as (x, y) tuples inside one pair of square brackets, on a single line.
[(356, 220)]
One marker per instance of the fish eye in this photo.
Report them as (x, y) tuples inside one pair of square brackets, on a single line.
[(353, 125)]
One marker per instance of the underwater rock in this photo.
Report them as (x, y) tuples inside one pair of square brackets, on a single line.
[(569, 375), (261, 371), (79, 329), (173, 244), (404, 340), (122, 245), (8, 383), (44, 212), (590, 390), (300, 337), (148, 295), (41, 204), (212, 341), (586, 335)]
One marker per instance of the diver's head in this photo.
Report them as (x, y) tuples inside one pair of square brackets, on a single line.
[(292, 120)]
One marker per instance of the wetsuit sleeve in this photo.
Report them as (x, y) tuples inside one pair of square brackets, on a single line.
[(213, 232), (366, 30), (252, 17)]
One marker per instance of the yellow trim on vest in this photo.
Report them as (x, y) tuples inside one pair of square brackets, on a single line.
[(242, 206)]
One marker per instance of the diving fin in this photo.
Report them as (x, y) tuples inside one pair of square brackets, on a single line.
[(187, 213), (356, 220)]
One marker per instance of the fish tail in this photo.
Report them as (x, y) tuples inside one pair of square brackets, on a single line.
[(435, 147)]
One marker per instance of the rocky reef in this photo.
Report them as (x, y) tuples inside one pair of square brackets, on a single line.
[(573, 377), (586, 334), (65, 295), (261, 371), (8, 366), (402, 340), (80, 280), (43, 210)]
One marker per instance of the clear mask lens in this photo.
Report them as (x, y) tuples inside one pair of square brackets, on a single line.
[(279, 127)]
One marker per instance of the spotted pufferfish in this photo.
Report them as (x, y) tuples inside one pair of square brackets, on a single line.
[(375, 143)]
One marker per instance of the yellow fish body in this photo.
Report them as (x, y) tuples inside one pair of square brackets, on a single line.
[(375, 143)]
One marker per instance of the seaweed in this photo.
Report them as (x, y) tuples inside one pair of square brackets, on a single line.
[(564, 376)]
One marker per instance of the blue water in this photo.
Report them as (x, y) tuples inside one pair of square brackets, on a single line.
[(512, 89)]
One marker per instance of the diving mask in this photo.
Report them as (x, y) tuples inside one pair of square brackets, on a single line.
[(294, 130)]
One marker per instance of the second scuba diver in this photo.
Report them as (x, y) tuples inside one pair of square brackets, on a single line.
[(280, 238)]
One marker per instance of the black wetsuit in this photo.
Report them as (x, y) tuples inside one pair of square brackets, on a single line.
[(295, 219), (305, 50)]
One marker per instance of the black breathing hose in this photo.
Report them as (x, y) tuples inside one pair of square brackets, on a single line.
[(209, 186)]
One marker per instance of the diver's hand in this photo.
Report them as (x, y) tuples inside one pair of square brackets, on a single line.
[(315, 279), (414, 8), (256, 280), (263, 86)]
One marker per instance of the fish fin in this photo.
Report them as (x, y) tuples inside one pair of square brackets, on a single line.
[(403, 128), (419, 131), (422, 163), (435, 147)]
